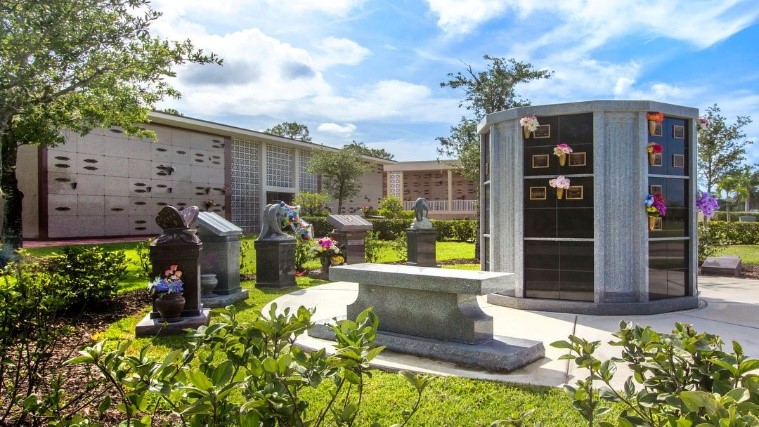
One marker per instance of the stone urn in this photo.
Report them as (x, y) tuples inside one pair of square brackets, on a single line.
[(208, 283), (170, 306)]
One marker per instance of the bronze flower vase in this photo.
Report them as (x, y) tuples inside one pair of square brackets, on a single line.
[(562, 159), (559, 193), (526, 131), (651, 223), (651, 159), (170, 307), (651, 127)]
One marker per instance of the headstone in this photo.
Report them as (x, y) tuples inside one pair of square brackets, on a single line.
[(350, 232), (177, 245), (747, 218), (221, 256), (421, 238), (275, 251), (723, 265)]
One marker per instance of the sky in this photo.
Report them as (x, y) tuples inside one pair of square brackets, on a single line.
[(370, 70)]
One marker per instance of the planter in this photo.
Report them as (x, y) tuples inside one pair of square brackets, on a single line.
[(559, 193), (526, 132), (562, 159), (208, 283), (170, 307), (651, 127)]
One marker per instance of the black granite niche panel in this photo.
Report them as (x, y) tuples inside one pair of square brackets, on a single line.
[(558, 218), (672, 147), (558, 270), (668, 269), (676, 192)]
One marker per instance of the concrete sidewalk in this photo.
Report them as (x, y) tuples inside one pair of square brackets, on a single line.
[(729, 307)]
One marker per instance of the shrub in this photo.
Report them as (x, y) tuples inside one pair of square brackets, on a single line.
[(143, 259), (303, 253), (391, 207), (372, 246), (92, 273), (736, 233), (710, 241), (462, 230), (391, 229), (255, 362), (311, 204), (321, 226), (680, 379), (30, 300)]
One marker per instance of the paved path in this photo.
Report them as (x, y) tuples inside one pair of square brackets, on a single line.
[(729, 307)]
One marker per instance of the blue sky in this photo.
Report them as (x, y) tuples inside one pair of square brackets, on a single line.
[(370, 71)]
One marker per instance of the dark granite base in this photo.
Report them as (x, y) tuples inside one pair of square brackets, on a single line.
[(150, 327), (224, 300), (421, 246), (500, 354), (604, 309)]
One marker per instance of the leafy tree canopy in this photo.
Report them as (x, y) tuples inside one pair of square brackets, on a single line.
[(77, 64), (362, 149), (293, 130), (721, 147), (341, 172), (485, 92)]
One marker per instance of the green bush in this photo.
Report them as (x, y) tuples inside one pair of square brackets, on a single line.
[(30, 329), (244, 374), (92, 273), (461, 230), (321, 226), (311, 204), (736, 233), (391, 229), (680, 379), (391, 207), (710, 241), (372, 246), (303, 253)]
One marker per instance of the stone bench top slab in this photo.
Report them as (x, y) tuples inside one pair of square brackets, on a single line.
[(446, 280)]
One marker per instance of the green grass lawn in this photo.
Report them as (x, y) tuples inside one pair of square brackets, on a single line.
[(749, 253)]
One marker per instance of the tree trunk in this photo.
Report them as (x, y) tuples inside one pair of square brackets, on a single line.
[(12, 196)]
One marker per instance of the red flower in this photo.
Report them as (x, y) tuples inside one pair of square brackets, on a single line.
[(655, 117)]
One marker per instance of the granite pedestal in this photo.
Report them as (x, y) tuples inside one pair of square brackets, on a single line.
[(221, 256), (350, 232), (421, 246), (723, 265), (275, 263), (433, 312)]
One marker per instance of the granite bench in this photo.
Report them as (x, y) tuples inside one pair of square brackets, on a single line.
[(425, 302)]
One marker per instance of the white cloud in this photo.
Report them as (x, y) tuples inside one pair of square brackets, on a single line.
[(339, 51), (335, 128), (462, 16)]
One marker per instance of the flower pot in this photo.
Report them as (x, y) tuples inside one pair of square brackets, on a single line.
[(562, 159), (559, 193), (651, 223), (651, 127), (170, 306), (526, 131), (208, 283)]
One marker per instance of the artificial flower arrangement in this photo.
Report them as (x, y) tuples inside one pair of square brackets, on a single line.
[(706, 204), (560, 183), (169, 283), (292, 219), (329, 252), (529, 124), (656, 205), (653, 149), (561, 151)]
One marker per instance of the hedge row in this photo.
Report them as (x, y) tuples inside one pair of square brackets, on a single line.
[(463, 230), (735, 233), (722, 216)]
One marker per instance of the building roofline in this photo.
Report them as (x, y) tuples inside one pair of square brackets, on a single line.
[(422, 165), (221, 129)]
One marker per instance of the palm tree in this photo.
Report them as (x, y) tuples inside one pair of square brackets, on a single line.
[(736, 187)]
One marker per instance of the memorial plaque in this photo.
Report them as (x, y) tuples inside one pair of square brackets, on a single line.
[(349, 223)]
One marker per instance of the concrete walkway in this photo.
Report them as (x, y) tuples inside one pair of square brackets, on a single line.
[(729, 307)]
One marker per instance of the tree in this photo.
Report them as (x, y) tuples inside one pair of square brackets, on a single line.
[(77, 64), (485, 92), (721, 147), (341, 172), (362, 149), (735, 185), (293, 130)]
